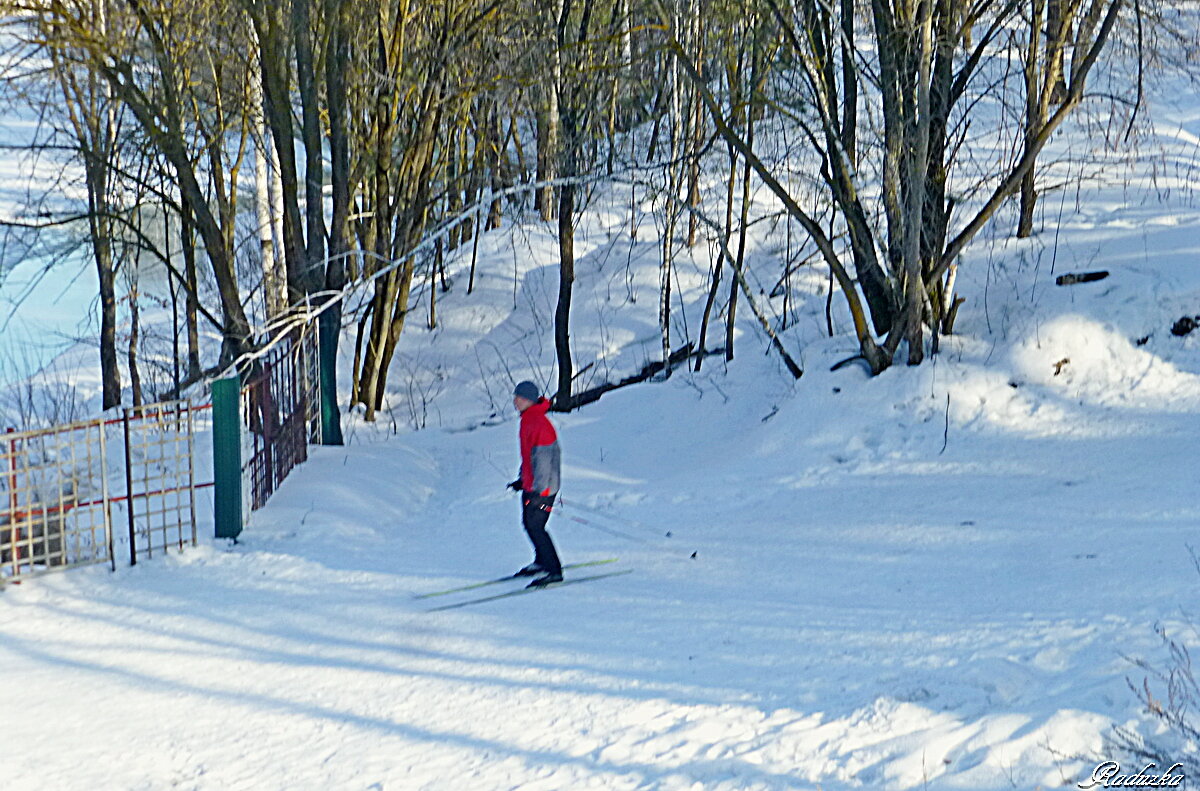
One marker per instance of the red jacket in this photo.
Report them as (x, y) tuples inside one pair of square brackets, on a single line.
[(540, 455)]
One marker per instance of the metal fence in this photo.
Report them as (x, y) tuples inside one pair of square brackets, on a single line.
[(160, 477), (63, 489), (280, 406), (91, 491), (54, 512)]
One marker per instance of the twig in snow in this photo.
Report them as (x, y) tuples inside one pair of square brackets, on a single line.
[(946, 428)]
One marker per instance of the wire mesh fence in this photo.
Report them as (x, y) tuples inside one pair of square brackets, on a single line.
[(65, 489), (54, 499), (160, 477)]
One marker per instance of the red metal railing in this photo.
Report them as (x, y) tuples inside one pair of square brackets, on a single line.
[(55, 513), (280, 416)]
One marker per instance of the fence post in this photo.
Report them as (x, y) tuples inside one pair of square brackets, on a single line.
[(101, 429), (191, 457), (227, 456), (14, 533), (129, 500), (328, 327)]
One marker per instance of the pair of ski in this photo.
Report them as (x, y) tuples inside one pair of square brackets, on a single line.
[(520, 591)]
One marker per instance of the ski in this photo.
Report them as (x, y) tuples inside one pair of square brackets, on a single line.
[(499, 580), (522, 591)]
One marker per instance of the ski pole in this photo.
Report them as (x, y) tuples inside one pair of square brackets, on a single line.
[(604, 529), (614, 517), (659, 545)]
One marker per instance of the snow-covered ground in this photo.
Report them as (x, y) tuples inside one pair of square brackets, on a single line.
[(863, 611), (935, 578)]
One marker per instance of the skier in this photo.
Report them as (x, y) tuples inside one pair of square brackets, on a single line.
[(538, 484)]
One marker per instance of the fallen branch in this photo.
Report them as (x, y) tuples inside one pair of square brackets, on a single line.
[(679, 356), (1071, 278)]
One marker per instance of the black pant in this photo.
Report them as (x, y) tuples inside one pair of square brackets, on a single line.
[(535, 512)]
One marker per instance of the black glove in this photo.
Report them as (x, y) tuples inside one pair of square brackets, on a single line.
[(516, 485)]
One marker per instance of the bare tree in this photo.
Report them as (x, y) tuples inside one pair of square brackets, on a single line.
[(925, 69)]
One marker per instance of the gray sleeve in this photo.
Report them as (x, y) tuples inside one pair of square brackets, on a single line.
[(547, 464)]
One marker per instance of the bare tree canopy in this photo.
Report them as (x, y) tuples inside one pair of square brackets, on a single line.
[(378, 137)]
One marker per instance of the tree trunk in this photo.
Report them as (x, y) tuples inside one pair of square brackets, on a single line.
[(548, 128), (394, 328), (496, 166), (337, 60), (314, 175), (274, 279), (566, 281), (110, 372), (849, 86), (474, 182), (890, 69), (744, 220), (716, 275), (1058, 32), (674, 176), (275, 67), (192, 302), (917, 134), (456, 176), (275, 194), (135, 379), (100, 228), (89, 107), (1033, 116), (696, 139), (731, 311)]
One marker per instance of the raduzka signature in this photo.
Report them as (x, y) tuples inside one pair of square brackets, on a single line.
[(1108, 775)]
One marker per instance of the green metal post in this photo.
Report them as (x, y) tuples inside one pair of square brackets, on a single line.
[(227, 457), (328, 327)]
